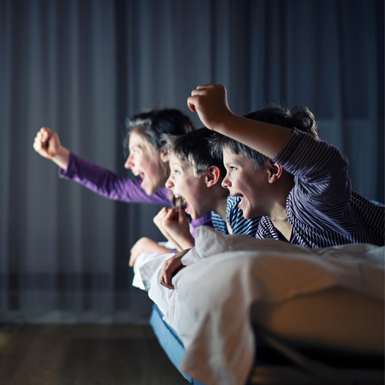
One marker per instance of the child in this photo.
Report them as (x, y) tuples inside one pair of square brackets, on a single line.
[(299, 184), (196, 177)]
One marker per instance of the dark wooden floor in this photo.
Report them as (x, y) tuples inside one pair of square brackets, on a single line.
[(83, 355)]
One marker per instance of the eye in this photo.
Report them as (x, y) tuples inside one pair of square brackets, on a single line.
[(176, 172)]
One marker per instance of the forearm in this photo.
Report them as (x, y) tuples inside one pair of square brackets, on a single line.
[(110, 185), (170, 238), (156, 248), (265, 138), (210, 102), (181, 241), (61, 158), (185, 241)]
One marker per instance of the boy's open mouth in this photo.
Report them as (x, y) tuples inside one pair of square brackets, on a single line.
[(180, 203), (238, 195)]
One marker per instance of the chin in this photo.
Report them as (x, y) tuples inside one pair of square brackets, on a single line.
[(193, 214), (149, 190), (247, 215)]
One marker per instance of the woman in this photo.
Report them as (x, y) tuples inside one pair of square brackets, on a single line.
[(147, 158)]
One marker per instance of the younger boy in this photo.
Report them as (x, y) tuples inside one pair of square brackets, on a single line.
[(196, 176)]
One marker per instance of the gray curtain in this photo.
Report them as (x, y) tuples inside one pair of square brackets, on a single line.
[(82, 67)]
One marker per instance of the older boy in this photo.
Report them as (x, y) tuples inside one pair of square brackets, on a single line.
[(281, 171), (300, 184)]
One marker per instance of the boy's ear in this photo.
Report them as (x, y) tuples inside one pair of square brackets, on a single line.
[(274, 170), (163, 155), (212, 176)]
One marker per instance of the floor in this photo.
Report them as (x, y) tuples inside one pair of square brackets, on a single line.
[(84, 355)]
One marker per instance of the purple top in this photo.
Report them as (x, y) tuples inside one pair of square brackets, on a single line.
[(205, 220), (108, 184), (322, 208)]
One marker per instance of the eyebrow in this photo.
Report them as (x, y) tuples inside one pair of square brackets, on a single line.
[(234, 162), (135, 146), (183, 165)]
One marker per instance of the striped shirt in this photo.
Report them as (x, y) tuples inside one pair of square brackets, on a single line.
[(237, 222), (322, 208)]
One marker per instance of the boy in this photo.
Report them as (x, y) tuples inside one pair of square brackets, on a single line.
[(281, 171), (300, 185), (196, 177)]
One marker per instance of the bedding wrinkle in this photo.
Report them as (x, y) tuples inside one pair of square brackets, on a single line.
[(213, 306), (210, 308)]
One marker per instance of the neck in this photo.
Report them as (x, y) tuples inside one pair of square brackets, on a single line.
[(220, 207), (278, 213)]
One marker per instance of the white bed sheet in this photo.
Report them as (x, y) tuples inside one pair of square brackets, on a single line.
[(210, 306)]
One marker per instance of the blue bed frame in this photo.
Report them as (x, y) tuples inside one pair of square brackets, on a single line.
[(170, 341), (173, 346)]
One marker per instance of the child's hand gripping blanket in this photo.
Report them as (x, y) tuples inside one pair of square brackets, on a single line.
[(210, 307)]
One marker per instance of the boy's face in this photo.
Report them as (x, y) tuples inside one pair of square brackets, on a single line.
[(244, 181), (183, 183)]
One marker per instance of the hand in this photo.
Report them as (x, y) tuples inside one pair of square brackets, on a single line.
[(158, 220), (170, 268), (48, 145), (145, 245), (210, 102), (176, 224)]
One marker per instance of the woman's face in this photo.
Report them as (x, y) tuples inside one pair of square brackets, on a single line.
[(148, 163)]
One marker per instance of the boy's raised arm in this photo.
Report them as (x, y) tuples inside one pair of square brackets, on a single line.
[(210, 102)]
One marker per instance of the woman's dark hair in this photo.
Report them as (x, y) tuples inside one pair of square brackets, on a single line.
[(195, 149), (153, 124), (298, 117)]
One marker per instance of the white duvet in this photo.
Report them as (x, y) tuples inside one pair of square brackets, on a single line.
[(225, 275)]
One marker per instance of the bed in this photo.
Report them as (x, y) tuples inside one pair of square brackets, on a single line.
[(247, 311)]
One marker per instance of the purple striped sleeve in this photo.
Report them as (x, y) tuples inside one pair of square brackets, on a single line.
[(320, 173)]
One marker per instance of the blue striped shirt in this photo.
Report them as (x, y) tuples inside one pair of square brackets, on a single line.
[(322, 208), (237, 222)]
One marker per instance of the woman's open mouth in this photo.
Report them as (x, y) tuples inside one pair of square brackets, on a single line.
[(142, 176)]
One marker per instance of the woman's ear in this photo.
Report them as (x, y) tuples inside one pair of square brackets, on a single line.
[(163, 155), (212, 176), (274, 170)]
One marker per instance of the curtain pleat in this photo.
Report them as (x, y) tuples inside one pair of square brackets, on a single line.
[(82, 67)]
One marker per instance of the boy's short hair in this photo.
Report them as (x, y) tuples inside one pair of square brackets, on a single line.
[(195, 149), (298, 117)]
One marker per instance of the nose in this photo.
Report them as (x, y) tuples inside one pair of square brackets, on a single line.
[(169, 183), (129, 163), (226, 182)]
